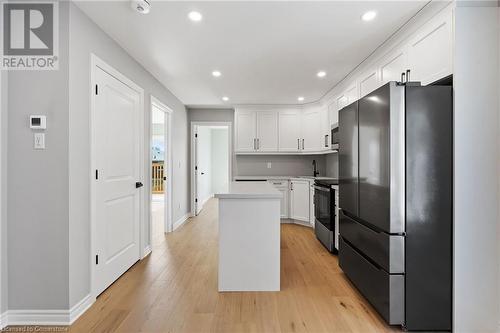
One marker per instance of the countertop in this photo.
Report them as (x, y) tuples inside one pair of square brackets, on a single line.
[(250, 190), (256, 178)]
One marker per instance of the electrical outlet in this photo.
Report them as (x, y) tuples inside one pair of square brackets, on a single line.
[(39, 141), (269, 165)]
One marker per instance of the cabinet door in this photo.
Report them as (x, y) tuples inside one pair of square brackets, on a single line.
[(267, 131), (333, 112), (311, 130), (392, 66), (368, 82), (289, 130), (430, 52), (283, 187), (299, 200), (325, 128), (246, 130), (352, 94)]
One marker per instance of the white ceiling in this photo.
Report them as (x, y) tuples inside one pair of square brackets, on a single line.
[(268, 52)]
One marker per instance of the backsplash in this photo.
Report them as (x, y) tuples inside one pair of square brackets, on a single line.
[(281, 165), (332, 165)]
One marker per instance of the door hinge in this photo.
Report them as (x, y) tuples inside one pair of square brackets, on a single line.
[(96, 90), (195, 200), (196, 135), (96, 174), (196, 168), (97, 259)]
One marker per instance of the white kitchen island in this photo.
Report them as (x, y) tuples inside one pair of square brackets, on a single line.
[(249, 237)]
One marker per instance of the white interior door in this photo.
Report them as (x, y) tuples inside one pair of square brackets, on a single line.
[(117, 160)]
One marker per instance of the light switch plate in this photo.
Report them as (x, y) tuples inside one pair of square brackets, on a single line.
[(39, 140)]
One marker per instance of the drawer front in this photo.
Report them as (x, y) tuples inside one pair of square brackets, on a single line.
[(384, 291), (388, 251)]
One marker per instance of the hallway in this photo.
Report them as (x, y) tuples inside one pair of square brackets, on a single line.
[(175, 290)]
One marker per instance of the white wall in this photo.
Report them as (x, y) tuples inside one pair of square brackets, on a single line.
[(220, 156), (87, 38), (476, 161)]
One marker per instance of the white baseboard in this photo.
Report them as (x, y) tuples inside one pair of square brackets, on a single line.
[(3, 320), (79, 308), (181, 221), (147, 250), (46, 317)]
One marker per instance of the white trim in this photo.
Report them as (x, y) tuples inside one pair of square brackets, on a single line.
[(96, 62), (147, 251), (79, 308), (181, 221), (3, 320), (193, 125), (46, 317), (169, 225)]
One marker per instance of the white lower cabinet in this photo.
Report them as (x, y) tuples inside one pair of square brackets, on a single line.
[(300, 200), (284, 187)]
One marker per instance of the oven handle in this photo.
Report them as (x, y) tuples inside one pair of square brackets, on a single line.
[(320, 188)]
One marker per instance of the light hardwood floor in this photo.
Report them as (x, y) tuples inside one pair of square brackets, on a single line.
[(175, 290)]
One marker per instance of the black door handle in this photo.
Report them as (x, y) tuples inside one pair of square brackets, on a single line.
[(138, 184), (202, 173)]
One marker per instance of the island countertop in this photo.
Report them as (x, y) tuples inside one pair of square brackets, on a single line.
[(250, 190)]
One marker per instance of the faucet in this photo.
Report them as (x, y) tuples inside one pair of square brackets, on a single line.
[(315, 171)]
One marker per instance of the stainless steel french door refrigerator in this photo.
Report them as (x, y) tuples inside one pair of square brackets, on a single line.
[(395, 198)]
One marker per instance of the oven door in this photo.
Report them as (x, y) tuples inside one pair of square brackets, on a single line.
[(323, 208)]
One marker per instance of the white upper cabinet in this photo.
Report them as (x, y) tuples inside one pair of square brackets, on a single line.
[(333, 112), (352, 94), (311, 130), (368, 82), (290, 135), (325, 127), (246, 130), (267, 131), (430, 51), (392, 66)]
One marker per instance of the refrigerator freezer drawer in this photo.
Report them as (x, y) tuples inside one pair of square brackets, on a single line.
[(384, 291), (388, 251)]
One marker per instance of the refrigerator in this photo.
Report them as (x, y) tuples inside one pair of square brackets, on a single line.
[(395, 198)]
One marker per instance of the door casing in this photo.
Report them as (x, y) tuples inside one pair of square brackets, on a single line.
[(194, 125), (169, 224)]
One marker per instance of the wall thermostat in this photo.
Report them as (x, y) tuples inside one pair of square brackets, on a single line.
[(38, 122)]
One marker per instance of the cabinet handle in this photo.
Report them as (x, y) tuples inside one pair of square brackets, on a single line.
[(254, 144), (291, 186), (407, 75), (258, 144), (303, 144), (326, 141), (298, 144), (403, 77)]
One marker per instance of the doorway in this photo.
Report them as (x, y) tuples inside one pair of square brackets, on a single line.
[(211, 161), (160, 171)]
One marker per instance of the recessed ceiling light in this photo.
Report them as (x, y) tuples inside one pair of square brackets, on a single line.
[(300, 99), (321, 74), (225, 98), (216, 73), (195, 16), (368, 16)]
